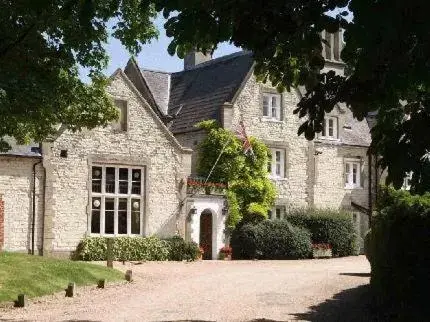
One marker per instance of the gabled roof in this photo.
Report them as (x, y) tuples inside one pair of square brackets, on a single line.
[(198, 94), (159, 84)]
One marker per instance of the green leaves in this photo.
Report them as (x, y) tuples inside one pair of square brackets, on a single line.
[(251, 194), (40, 48)]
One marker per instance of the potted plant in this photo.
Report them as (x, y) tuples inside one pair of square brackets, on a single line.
[(225, 253), (322, 250), (201, 252)]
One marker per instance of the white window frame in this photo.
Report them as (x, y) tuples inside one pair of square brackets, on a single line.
[(276, 213), (276, 167), (271, 112), (407, 181), (352, 178), (330, 122), (103, 195), (121, 125)]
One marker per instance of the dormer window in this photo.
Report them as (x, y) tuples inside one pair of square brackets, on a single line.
[(330, 127), (121, 124), (272, 106)]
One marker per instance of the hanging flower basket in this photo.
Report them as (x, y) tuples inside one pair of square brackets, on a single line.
[(198, 185), (321, 250)]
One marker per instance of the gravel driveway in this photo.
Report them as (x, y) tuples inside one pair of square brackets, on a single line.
[(309, 290)]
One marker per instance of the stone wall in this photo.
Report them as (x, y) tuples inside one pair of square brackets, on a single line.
[(146, 143), (292, 190), (16, 186)]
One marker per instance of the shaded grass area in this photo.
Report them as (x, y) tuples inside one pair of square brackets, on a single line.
[(36, 276)]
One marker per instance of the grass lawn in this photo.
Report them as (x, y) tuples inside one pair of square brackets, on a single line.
[(36, 275)]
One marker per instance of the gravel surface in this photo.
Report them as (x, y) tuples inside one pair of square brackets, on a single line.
[(308, 290)]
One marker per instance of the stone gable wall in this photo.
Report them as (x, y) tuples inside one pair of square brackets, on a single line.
[(145, 143)]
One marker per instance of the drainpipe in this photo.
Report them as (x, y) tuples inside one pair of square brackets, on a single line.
[(33, 224), (370, 189)]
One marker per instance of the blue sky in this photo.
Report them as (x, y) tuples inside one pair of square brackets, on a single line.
[(154, 55)]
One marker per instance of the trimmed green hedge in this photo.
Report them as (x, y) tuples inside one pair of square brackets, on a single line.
[(400, 255), (137, 249), (179, 249), (271, 240), (328, 226)]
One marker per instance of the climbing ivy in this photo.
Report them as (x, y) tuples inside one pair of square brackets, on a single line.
[(250, 192)]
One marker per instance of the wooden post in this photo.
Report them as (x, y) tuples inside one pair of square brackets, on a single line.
[(101, 283), (22, 301), (129, 276), (70, 290), (109, 252)]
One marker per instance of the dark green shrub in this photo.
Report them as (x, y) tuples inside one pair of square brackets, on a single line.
[(124, 248), (328, 226), (367, 245), (271, 240), (179, 249), (400, 247)]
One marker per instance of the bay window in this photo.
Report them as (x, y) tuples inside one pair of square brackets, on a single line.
[(116, 200)]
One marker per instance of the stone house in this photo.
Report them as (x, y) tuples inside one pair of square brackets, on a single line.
[(130, 178), (126, 179)]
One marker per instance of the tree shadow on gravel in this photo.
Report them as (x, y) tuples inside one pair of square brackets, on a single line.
[(356, 274), (352, 305)]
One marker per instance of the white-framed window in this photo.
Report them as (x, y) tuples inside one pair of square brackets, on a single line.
[(352, 174), (278, 212), (276, 165), (407, 181), (272, 106), (330, 128), (121, 123), (116, 200)]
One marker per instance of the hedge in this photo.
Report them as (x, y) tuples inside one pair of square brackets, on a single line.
[(271, 240), (400, 255), (137, 248), (328, 226)]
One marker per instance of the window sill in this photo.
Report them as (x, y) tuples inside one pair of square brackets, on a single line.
[(271, 120), (278, 178), (353, 188)]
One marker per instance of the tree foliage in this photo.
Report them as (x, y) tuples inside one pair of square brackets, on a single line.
[(41, 44), (250, 192), (387, 54)]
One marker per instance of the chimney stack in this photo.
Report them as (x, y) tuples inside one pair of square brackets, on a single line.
[(195, 58)]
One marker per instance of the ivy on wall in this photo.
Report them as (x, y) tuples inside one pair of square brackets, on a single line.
[(250, 192)]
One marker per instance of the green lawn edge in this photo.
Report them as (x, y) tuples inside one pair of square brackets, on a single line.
[(36, 276)]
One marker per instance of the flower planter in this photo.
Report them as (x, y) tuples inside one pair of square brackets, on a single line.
[(321, 251)]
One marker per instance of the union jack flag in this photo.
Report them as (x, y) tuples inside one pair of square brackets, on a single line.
[(246, 146)]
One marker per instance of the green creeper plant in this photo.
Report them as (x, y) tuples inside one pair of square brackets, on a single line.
[(250, 192)]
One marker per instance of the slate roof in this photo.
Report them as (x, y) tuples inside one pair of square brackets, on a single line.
[(31, 150), (159, 85), (197, 94), (359, 134)]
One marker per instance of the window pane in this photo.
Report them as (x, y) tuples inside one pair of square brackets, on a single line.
[(122, 216), (95, 221), (265, 105), (97, 179), (135, 185), (274, 101), (123, 181), (278, 213), (269, 214), (110, 180), (135, 216), (278, 169), (330, 128), (354, 173), (278, 156), (324, 127), (109, 215)]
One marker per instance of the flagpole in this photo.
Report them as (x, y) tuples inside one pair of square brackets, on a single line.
[(216, 162)]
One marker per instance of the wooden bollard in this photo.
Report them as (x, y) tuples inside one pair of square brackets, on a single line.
[(22, 301), (129, 276), (109, 252), (70, 290), (101, 283)]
